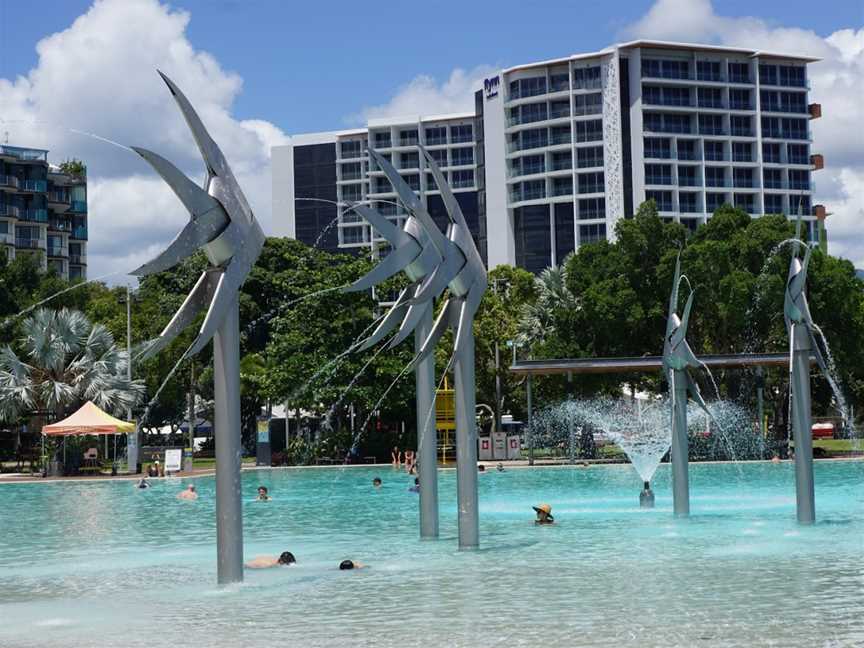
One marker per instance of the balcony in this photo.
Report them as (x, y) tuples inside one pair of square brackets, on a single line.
[(29, 243), (527, 118), (8, 182), (687, 181), (408, 141), (59, 199), (23, 154), (60, 225), (7, 239), (815, 110), (649, 179), (9, 210), (562, 190), (58, 251), (33, 215), (436, 141), (78, 259), (35, 186), (817, 161), (79, 206), (79, 233)]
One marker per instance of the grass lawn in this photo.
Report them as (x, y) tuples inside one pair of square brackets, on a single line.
[(839, 445)]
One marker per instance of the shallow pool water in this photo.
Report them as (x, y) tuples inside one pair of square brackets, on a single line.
[(104, 564)]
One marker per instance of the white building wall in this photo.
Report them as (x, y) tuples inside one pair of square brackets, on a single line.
[(501, 248)]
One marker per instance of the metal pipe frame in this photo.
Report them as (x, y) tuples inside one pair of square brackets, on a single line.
[(427, 434)]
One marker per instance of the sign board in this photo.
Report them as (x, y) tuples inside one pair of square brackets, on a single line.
[(445, 410), (514, 446), (499, 445), (490, 86), (173, 459), (485, 450), (263, 430)]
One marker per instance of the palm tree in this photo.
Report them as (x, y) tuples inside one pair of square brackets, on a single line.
[(65, 360), (538, 319)]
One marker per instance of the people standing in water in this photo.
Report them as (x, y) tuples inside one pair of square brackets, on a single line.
[(410, 461), (188, 494), (262, 494), (396, 457), (286, 558), (544, 514), (143, 483)]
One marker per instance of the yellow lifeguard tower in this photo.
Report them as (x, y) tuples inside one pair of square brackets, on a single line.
[(445, 419)]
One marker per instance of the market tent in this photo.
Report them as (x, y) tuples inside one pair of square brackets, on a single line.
[(89, 419)]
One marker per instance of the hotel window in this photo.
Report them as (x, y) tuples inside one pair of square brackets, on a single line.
[(692, 224), (528, 87), (769, 100), (587, 78), (589, 131), (739, 99), (792, 75), (532, 113), (592, 233), (773, 204), (797, 153), (662, 198), (353, 171), (461, 133), (713, 201), (559, 82), (462, 156), (793, 102), (559, 135), (652, 95), (431, 185), (658, 174), (562, 160), (591, 156), (708, 71), (799, 204), (352, 192), (462, 178), (770, 153), (688, 202), (436, 135), (559, 109), (408, 137), (794, 128), (772, 178), (742, 152), (413, 181), (592, 208), (533, 164), (687, 176), (409, 161), (353, 235), (710, 125), (650, 68), (747, 202), (740, 126), (739, 73), (591, 183), (562, 186), (382, 140), (588, 104), (714, 151), (382, 185), (687, 150), (768, 74), (742, 177), (350, 149), (715, 177), (799, 179), (440, 157), (658, 147), (533, 189), (676, 97), (710, 97)]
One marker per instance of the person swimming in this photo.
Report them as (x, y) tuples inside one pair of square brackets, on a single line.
[(350, 564), (262, 494), (143, 483), (544, 514), (285, 559), (188, 494), (376, 482), (416, 487)]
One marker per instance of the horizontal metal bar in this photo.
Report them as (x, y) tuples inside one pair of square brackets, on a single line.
[(644, 363)]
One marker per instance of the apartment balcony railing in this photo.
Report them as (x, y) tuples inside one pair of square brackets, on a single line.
[(39, 186), (79, 233), (533, 194), (9, 181), (462, 183), (558, 113), (742, 157), (715, 157), (436, 141), (7, 239), (799, 159), (740, 105), (384, 143), (658, 180), (441, 162), (526, 118), (594, 188), (408, 141), (689, 208), (660, 154), (561, 138), (709, 76), (33, 215), (520, 93), (350, 154), (78, 259), (739, 78), (777, 133), (461, 139), (29, 243), (23, 154), (711, 130), (688, 182), (742, 132), (60, 226), (710, 103), (409, 164), (743, 183), (9, 210), (352, 175), (590, 109), (562, 190), (665, 101), (562, 165), (524, 145), (61, 197), (688, 155), (716, 182), (785, 108), (58, 251), (79, 206)]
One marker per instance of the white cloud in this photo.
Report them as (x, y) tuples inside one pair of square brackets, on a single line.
[(836, 82), (99, 76), (423, 95)]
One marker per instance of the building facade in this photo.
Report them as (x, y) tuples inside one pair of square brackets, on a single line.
[(43, 211), (561, 150)]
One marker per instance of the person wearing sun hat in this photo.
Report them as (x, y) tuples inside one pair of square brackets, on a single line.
[(544, 514)]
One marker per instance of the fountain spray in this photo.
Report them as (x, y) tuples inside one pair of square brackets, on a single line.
[(646, 497)]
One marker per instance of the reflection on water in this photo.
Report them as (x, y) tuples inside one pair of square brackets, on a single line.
[(105, 564)]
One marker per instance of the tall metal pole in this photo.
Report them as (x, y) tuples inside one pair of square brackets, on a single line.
[(132, 438), (760, 400), (497, 388), (466, 444), (427, 441), (801, 425), (226, 423), (530, 421), (571, 423), (190, 464), (680, 447)]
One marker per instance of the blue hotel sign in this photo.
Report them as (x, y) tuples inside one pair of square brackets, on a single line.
[(490, 86)]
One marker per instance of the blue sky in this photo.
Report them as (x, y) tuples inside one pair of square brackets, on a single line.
[(308, 66)]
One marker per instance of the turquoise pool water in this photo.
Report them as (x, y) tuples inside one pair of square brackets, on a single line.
[(103, 564)]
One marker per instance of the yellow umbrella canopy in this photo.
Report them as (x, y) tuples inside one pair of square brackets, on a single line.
[(89, 419)]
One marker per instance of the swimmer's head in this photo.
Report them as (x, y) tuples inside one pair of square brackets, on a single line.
[(376, 481), (262, 490), (346, 564), (287, 558), (192, 488)]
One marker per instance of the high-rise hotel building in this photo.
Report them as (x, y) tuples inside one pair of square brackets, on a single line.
[(43, 211), (557, 152)]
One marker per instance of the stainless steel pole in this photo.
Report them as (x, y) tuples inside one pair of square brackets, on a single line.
[(132, 438), (571, 424), (760, 401), (466, 444), (497, 388), (680, 447), (191, 463), (226, 423), (530, 422), (427, 439), (801, 425)]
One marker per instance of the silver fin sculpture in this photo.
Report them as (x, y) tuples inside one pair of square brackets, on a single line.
[(678, 357), (222, 224), (433, 263), (802, 344)]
